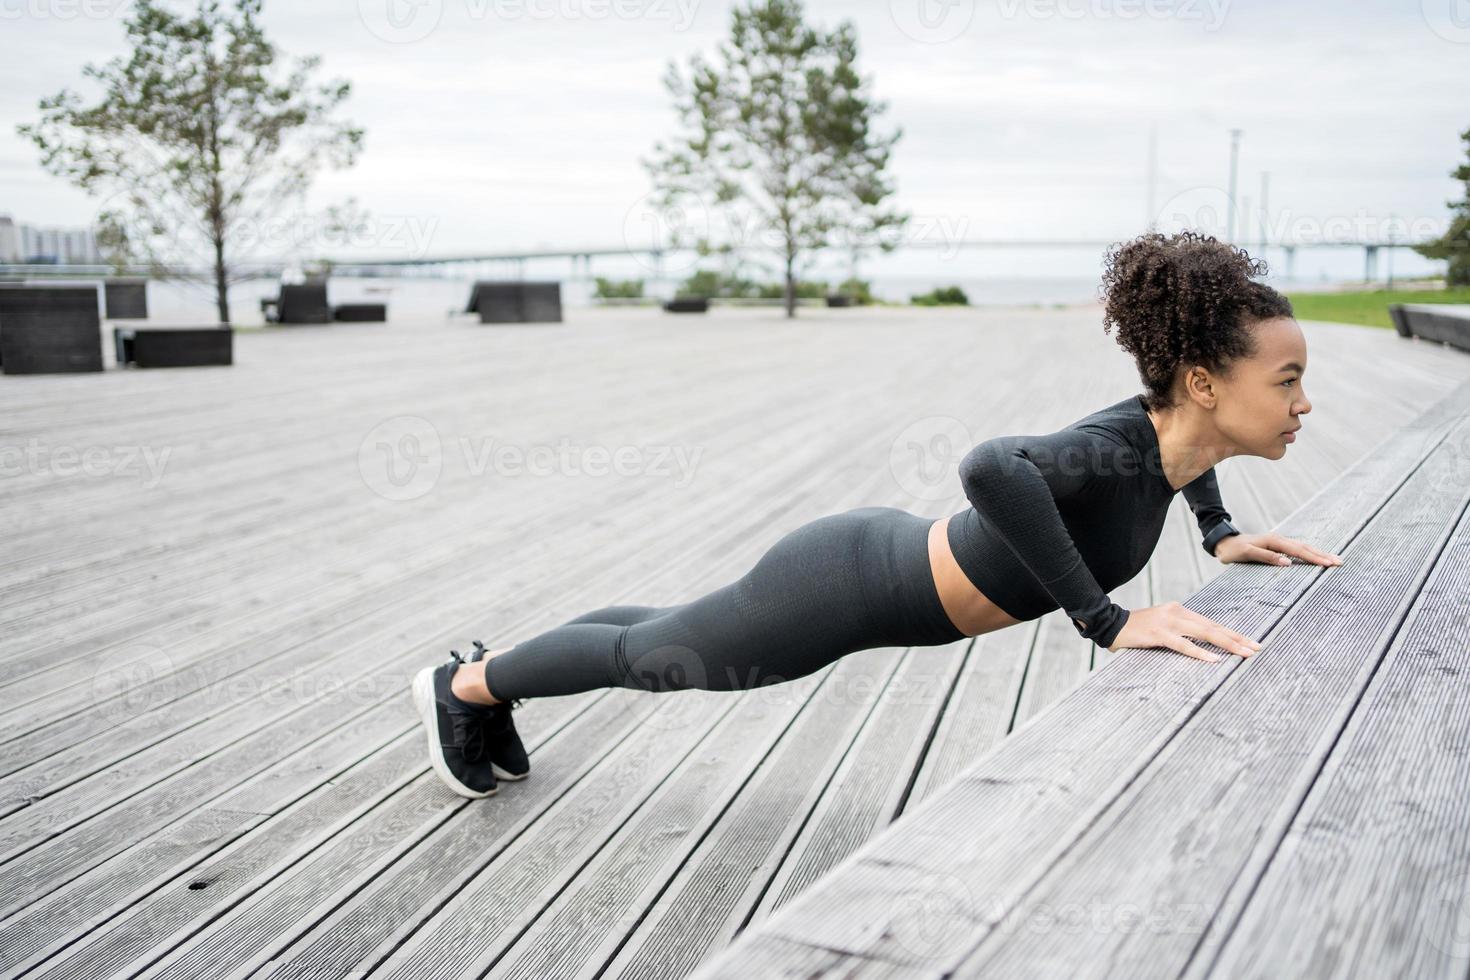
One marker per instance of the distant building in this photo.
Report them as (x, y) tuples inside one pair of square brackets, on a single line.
[(9, 240), (21, 243)]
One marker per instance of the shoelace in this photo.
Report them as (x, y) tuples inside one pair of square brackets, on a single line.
[(472, 727), (479, 654)]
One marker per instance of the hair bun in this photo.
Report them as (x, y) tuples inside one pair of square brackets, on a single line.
[(1185, 298)]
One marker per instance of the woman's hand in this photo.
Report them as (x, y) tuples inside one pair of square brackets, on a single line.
[(1271, 549), (1171, 625)]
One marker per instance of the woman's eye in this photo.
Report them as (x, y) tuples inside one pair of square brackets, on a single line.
[(1289, 382)]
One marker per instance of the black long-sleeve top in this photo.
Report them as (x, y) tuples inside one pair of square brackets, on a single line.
[(1058, 520)]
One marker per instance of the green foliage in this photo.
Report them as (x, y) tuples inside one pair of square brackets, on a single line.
[(943, 296), (859, 289), (779, 142), (198, 139), (708, 282), (1368, 307), (1454, 244), (619, 289), (805, 289)]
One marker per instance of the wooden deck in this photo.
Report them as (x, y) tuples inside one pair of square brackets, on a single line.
[(210, 766)]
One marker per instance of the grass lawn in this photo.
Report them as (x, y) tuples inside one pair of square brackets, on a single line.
[(1369, 307)]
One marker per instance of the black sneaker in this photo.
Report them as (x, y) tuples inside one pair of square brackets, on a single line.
[(508, 758), (458, 732)]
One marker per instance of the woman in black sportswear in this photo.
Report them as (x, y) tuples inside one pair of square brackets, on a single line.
[(1055, 521)]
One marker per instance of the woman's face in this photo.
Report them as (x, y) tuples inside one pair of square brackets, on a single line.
[(1263, 397)]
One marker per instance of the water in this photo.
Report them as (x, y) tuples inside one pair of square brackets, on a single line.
[(1045, 276)]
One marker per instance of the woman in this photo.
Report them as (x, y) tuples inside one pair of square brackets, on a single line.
[(1056, 521)]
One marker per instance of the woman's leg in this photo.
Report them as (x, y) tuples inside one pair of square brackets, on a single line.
[(620, 615), (835, 585)]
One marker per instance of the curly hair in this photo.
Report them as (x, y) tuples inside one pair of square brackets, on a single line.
[(1184, 299)]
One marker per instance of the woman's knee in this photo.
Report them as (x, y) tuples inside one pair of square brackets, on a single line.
[(619, 615)]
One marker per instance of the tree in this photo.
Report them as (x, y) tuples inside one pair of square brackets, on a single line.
[(195, 135), (1454, 244), (780, 143)]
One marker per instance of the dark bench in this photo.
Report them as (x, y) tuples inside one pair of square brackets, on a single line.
[(125, 299), (360, 312), (298, 303), (149, 347), (837, 299), (687, 304), (516, 302), (49, 329), (1448, 323)]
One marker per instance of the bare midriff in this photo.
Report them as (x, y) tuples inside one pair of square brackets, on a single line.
[(968, 608)]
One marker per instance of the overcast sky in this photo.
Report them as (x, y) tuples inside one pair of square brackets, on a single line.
[(502, 124)]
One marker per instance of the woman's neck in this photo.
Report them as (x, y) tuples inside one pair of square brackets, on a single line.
[(1188, 444)]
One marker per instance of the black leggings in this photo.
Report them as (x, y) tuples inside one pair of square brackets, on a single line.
[(832, 586)]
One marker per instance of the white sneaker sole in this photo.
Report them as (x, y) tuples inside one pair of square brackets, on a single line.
[(423, 699), (502, 774)]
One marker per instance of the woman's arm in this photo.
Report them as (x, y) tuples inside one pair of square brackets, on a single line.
[(1203, 495), (1014, 482)]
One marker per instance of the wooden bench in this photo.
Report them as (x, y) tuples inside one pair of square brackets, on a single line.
[(49, 329), (149, 347), (516, 302), (1291, 814), (125, 299), (360, 313), (687, 304), (1448, 323), (298, 303)]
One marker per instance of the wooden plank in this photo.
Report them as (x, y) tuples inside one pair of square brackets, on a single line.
[(1013, 814), (152, 765), (1207, 811), (825, 475), (234, 472), (1373, 873)]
